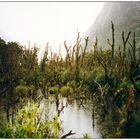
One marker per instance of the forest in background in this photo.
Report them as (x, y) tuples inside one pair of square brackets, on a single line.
[(110, 77)]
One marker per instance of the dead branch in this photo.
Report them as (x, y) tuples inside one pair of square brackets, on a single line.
[(125, 40), (68, 134)]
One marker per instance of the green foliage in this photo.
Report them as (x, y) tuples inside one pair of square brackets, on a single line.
[(30, 124), (125, 83), (65, 77), (53, 90), (22, 88), (92, 76), (66, 91), (111, 75), (138, 85), (86, 136)]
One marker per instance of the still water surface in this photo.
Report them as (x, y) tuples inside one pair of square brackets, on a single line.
[(74, 117)]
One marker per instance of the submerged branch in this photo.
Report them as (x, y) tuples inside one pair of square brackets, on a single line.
[(68, 134)]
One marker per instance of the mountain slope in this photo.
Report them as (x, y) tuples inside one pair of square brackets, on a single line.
[(125, 16)]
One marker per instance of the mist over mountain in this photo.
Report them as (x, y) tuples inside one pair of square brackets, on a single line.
[(125, 16), (4, 36)]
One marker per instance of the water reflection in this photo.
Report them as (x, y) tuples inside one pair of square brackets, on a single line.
[(75, 118)]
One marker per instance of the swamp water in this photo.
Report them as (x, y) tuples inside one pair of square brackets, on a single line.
[(74, 116)]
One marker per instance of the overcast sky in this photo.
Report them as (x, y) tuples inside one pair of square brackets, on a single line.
[(42, 22)]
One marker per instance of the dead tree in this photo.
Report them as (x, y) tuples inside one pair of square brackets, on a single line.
[(84, 52), (113, 40), (68, 61)]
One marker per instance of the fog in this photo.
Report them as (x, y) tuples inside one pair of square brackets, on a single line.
[(42, 22)]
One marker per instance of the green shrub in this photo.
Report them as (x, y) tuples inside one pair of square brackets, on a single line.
[(66, 90), (90, 81), (65, 76), (86, 136), (125, 83), (24, 88), (30, 124), (53, 90), (138, 85)]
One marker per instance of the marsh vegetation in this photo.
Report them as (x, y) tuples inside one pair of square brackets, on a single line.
[(39, 98)]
